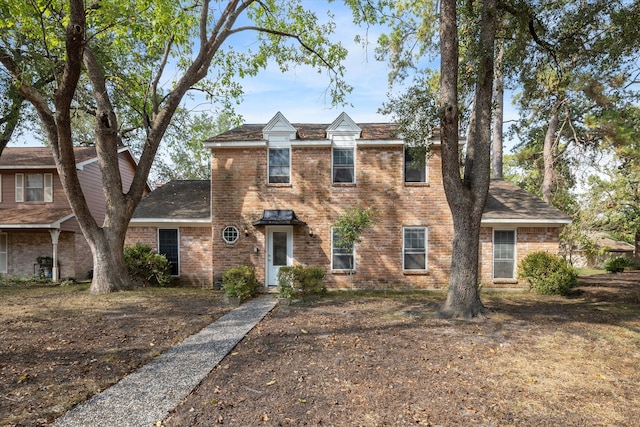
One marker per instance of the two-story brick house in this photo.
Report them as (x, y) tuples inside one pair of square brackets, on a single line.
[(36, 220), (276, 190)]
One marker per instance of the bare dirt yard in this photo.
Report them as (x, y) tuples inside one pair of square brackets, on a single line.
[(61, 345), (347, 359)]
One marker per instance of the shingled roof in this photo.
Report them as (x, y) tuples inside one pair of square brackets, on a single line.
[(19, 157), (177, 200), (307, 132), (507, 202)]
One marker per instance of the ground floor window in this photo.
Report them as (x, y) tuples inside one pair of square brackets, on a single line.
[(504, 254), (3, 252), (342, 257), (414, 248), (168, 246)]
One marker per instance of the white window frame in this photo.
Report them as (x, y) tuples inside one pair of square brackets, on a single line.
[(0, 188), (177, 230), (19, 194), (515, 253), (343, 147), (353, 255), (47, 188), (404, 168), (226, 235), (269, 165), (4, 250), (426, 247)]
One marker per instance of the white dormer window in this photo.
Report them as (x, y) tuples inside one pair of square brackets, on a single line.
[(279, 165), (343, 133), (279, 133)]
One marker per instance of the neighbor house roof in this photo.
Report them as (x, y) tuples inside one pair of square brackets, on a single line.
[(180, 201), (603, 241), (42, 157), (508, 203), (33, 217)]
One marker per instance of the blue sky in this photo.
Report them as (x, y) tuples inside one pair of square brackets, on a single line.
[(301, 93)]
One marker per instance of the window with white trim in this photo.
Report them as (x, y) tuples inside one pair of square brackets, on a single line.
[(342, 256), (168, 245), (0, 188), (279, 165), (343, 165), (504, 254), (415, 170), (34, 187), (230, 234), (3, 252), (414, 248)]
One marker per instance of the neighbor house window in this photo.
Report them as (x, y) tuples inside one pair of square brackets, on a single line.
[(414, 248), (344, 165), (342, 256), (230, 234), (415, 170), (504, 251), (279, 165), (34, 187), (168, 246), (3, 252)]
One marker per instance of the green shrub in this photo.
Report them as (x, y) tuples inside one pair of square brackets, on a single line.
[(617, 264), (300, 280), (547, 273), (147, 267), (240, 282)]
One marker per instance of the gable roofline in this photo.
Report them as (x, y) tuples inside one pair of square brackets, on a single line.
[(280, 131)]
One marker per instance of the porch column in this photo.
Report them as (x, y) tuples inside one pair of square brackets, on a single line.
[(55, 233)]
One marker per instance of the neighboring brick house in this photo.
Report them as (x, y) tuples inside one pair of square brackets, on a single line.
[(175, 220), (36, 220), (278, 188)]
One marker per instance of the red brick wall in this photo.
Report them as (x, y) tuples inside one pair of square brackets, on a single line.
[(25, 247), (240, 194), (195, 251), (528, 239)]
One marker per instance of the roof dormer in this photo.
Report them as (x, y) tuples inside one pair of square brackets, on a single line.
[(343, 129), (279, 130)]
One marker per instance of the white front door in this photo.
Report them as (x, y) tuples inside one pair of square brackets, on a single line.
[(279, 251)]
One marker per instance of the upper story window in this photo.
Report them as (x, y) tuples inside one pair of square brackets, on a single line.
[(0, 188), (279, 165), (414, 248), (344, 165), (415, 170), (34, 187)]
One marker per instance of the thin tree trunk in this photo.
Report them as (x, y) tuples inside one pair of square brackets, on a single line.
[(498, 113), (547, 154)]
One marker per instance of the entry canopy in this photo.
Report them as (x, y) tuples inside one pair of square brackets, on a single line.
[(278, 217)]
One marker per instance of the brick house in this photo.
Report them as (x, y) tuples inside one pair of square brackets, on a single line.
[(175, 220), (278, 188), (39, 233)]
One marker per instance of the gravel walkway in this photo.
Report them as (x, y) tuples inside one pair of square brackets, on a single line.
[(148, 394)]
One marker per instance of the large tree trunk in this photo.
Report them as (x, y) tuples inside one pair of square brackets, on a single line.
[(466, 197), (498, 113), (109, 270), (547, 153)]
